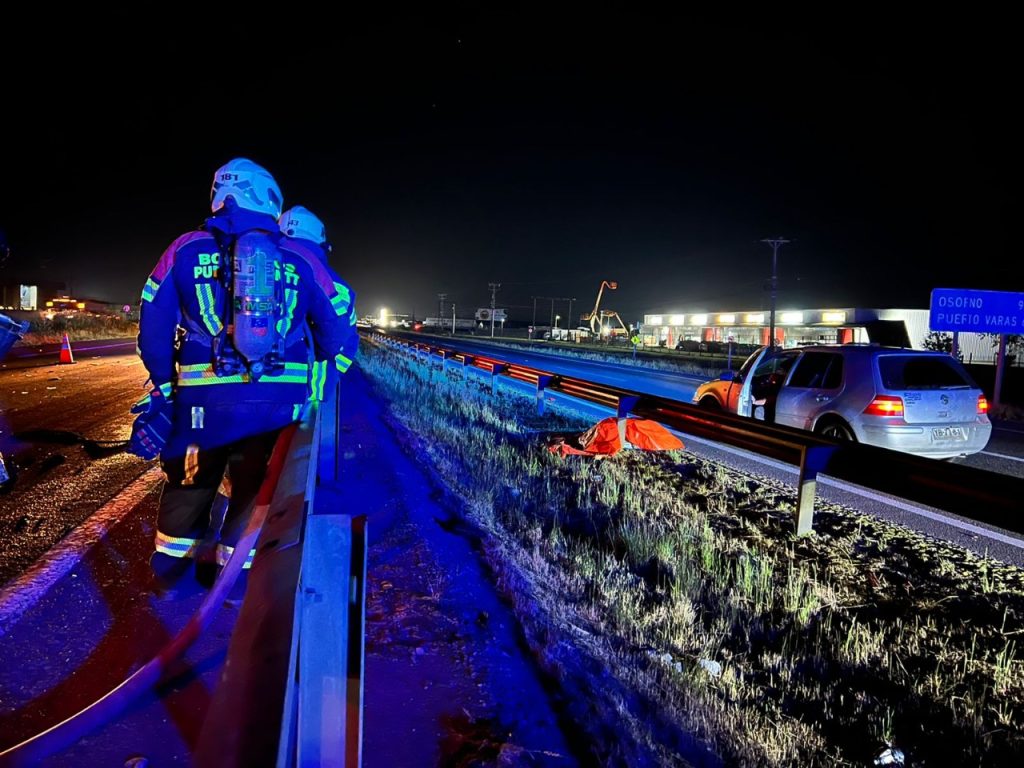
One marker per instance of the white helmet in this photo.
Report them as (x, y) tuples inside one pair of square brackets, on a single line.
[(301, 222), (250, 185)]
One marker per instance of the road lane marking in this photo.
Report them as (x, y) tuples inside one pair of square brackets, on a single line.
[(105, 346), (77, 348), (26, 590), (1002, 456)]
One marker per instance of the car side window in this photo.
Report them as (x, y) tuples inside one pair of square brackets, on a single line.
[(834, 375), (771, 372), (776, 364), (818, 370), (747, 365)]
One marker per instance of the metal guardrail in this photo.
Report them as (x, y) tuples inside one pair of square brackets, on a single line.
[(975, 494), (292, 689)]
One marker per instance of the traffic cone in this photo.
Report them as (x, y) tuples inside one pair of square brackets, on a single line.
[(66, 358)]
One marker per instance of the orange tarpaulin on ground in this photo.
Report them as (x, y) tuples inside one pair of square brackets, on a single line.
[(605, 438), (651, 436)]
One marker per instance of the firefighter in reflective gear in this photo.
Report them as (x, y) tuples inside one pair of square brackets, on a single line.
[(305, 233), (240, 370)]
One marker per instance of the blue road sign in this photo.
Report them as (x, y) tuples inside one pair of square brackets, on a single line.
[(961, 309)]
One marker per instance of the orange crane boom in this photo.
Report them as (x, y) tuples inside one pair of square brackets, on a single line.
[(594, 317)]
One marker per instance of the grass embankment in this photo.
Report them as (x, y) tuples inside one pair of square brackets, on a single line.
[(79, 328), (668, 597)]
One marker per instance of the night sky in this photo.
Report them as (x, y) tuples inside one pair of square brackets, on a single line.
[(447, 151)]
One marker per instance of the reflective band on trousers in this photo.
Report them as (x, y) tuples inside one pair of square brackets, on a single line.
[(175, 546), (224, 552), (203, 374)]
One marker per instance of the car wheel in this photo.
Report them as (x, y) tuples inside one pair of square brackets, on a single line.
[(710, 404), (836, 430)]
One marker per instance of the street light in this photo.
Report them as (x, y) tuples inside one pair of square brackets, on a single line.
[(557, 318)]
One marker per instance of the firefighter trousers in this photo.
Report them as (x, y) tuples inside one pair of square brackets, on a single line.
[(195, 471)]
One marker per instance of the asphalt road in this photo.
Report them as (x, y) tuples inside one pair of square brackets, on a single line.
[(653, 381), (31, 356), (45, 410)]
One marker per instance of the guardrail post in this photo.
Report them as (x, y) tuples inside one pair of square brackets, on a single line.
[(496, 370), (813, 459), (542, 383), (331, 650), (625, 406)]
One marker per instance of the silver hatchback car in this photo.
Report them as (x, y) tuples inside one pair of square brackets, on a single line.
[(908, 400)]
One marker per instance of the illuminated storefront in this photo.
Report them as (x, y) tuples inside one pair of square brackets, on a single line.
[(712, 331)]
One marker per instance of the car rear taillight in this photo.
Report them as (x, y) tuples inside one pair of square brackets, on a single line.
[(885, 405), (982, 405)]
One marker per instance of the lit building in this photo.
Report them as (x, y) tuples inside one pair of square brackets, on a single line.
[(28, 295), (795, 327)]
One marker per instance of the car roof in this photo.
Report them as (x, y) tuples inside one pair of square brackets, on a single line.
[(867, 349)]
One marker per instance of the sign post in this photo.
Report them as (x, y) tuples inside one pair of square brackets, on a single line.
[(999, 369), (962, 309)]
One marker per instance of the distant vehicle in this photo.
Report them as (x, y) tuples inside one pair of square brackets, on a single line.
[(714, 347), (914, 401)]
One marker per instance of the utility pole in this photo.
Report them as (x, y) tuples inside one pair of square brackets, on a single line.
[(494, 289), (552, 323), (534, 323), (440, 310), (775, 243), (570, 324), (453, 318)]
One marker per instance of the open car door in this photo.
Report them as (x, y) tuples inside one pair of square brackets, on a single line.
[(744, 401)]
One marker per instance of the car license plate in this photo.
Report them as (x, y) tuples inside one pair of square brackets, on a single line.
[(948, 433)]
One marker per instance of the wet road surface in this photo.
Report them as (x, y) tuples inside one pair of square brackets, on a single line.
[(57, 481)]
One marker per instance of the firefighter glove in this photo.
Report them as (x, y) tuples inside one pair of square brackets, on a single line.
[(152, 426)]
